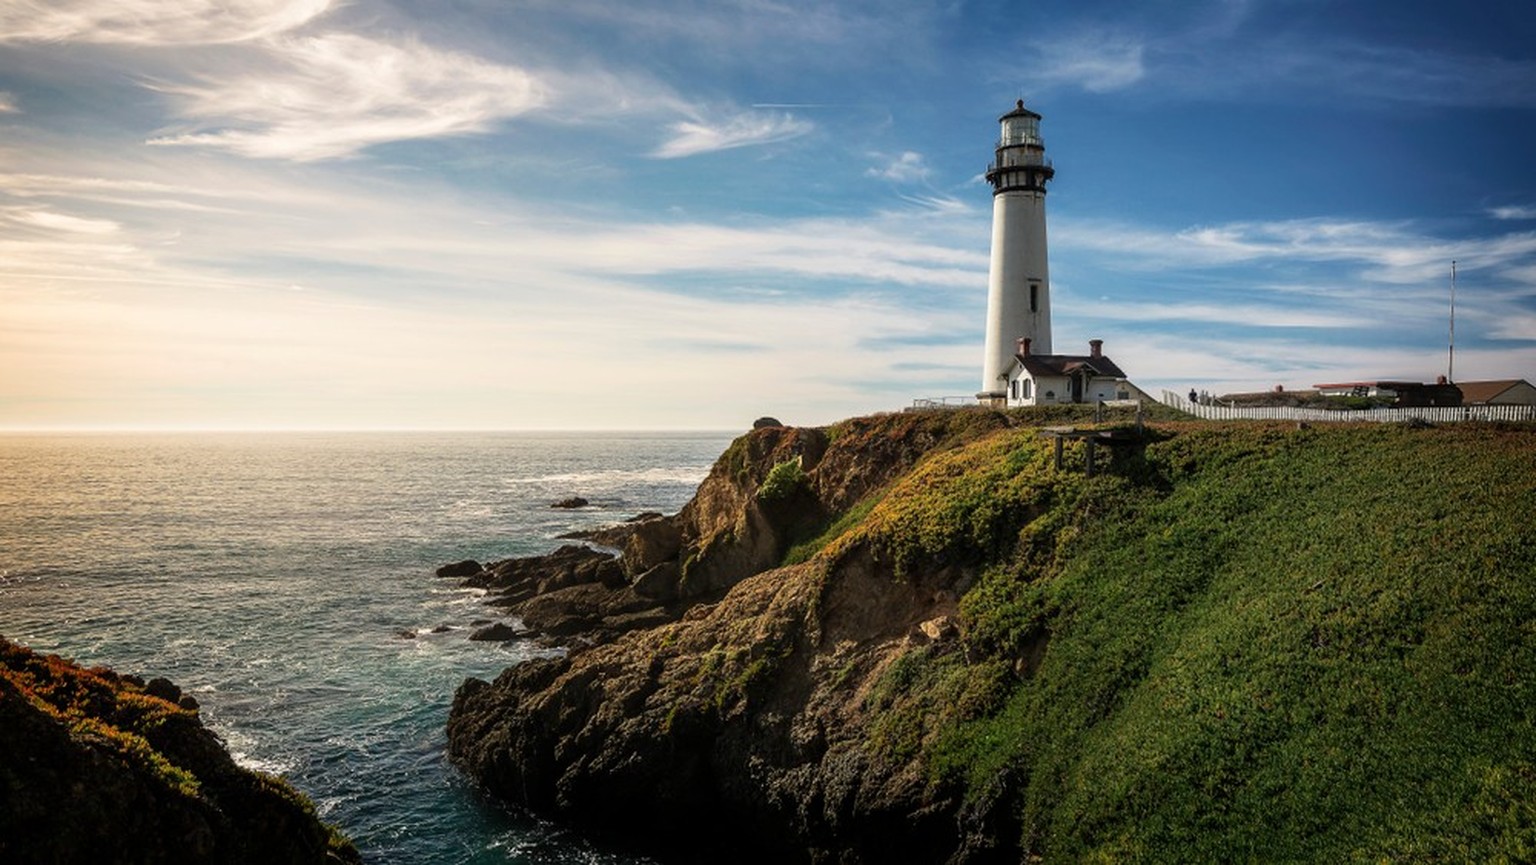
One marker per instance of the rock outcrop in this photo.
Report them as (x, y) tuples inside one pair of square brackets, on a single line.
[(97, 767), (733, 716)]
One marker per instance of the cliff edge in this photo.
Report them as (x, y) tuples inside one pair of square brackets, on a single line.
[(97, 767), (916, 638)]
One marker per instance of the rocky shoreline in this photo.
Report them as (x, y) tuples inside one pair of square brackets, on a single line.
[(713, 702)]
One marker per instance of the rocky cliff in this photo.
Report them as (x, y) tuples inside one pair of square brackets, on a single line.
[(915, 638), (97, 767)]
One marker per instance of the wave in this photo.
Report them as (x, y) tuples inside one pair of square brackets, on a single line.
[(691, 474)]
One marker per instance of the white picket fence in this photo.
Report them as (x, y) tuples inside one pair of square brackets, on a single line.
[(1432, 414)]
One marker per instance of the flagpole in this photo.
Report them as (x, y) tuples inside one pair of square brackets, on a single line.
[(1450, 367)]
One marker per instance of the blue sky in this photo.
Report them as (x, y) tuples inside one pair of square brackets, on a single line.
[(526, 214)]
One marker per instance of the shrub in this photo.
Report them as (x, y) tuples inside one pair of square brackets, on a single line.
[(782, 482)]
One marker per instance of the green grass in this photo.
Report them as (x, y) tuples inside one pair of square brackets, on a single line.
[(1248, 643)]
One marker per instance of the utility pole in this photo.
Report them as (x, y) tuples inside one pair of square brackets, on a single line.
[(1450, 362)]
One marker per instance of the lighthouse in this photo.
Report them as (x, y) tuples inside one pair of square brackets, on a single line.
[(1018, 287)]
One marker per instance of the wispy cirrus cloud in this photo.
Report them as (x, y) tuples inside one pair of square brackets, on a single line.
[(882, 249), (65, 222), (1097, 61), (1386, 72), (1246, 315), (693, 137), (1390, 252), (153, 22), (8, 104), (332, 95)]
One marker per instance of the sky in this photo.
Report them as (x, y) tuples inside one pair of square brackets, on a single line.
[(680, 214)]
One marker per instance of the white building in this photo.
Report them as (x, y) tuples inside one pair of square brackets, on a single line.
[(1054, 379)]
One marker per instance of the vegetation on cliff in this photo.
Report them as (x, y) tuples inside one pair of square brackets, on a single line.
[(97, 767), (1237, 641), (1260, 642)]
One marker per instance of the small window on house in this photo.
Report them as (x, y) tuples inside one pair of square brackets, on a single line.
[(1124, 394), (1013, 388), (1025, 385)]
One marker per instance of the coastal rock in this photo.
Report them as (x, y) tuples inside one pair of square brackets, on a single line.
[(498, 632), (571, 502), (515, 580), (650, 543), (459, 570), (614, 536), (590, 610), (660, 582), (163, 688), (765, 421), (96, 768), (733, 728)]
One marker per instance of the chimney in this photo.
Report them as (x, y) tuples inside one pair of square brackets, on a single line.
[(1023, 345), (1095, 348), (1279, 388), (1440, 379)]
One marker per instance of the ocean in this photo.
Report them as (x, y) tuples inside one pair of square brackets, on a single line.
[(286, 581)]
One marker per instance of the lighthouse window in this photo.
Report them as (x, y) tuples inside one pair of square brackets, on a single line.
[(1034, 297)]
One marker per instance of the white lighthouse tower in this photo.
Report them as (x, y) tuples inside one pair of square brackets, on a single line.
[(1019, 287)]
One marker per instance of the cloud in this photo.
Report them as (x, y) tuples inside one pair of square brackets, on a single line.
[(8, 104), (693, 137), (332, 95), (152, 22), (1097, 62), (64, 222), (1390, 252), (909, 167), (1513, 212), (1245, 315), (886, 249), (1396, 73)]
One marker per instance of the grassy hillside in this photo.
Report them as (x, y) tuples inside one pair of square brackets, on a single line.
[(1244, 642)]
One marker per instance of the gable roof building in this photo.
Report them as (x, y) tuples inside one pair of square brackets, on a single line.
[(1510, 391), (1055, 379)]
